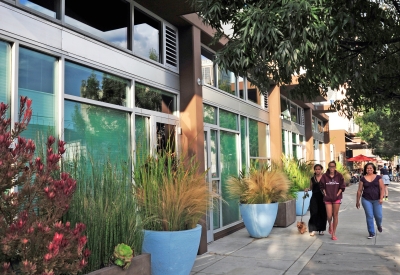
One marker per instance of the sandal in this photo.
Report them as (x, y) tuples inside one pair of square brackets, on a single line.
[(312, 234), (334, 238), (321, 233)]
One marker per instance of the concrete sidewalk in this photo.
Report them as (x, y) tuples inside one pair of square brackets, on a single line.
[(285, 251)]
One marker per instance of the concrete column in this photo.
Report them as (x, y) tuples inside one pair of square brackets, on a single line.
[(309, 134), (191, 103), (275, 123)]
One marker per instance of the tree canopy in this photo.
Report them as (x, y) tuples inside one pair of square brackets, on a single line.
[(381, 130), (351, 44)]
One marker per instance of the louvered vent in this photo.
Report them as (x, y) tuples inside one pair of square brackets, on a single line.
[(171, 49), (266, 100), (302, 122)]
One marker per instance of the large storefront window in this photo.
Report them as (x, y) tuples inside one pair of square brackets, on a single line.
[(243, 143), (94, 18), (257, 142), (142, 138), (96, 132), (36, 80), (209, 114), (92, 84), (4, 72), (228, 120), (150, 98)]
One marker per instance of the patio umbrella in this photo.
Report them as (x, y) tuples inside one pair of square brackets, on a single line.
[(360, 158)]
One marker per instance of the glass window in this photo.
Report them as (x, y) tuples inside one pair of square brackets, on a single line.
[(228, 120), (241, 86), (214, 154), (207, 67), (320, 126), (283, 142), (150, 98), (96, 132), (285, 109), (257, 139), (142, 138), (147, 36), (210, 114), (4, 72), (253, 93), (294, 138), (243, 135), (36, 80), (48, 7), (313, 124), (94, 18), (227, 81), (293, 113), (229, 167), (89, 83)]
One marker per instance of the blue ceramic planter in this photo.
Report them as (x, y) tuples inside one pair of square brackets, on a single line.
[(172, 252), (299, 203), (259, 218)]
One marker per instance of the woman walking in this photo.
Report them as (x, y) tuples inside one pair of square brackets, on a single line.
[(372, 189), (332, 186), (317, 222)]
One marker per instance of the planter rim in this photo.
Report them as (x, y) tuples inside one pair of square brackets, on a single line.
[(257, 203), (186, 230)]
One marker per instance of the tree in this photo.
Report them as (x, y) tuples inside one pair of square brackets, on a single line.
[(352, 45), (380, 129)]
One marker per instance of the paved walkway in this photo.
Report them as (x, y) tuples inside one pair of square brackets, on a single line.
[(285, 251)]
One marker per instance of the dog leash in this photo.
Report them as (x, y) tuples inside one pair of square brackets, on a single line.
[(302, 209)]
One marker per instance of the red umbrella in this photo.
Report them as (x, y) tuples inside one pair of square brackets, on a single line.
[(360, 158)]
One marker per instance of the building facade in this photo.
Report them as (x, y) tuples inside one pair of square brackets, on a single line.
[(119, 79)]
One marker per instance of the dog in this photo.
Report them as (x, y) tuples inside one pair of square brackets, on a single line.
[(302, 227)]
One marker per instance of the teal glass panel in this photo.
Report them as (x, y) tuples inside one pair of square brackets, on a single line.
[(294, 149), (229, 167), (243, 135), (283, 142), (217, 206), (209, 114), (142, 138), (294, 138), (36, 80), (96, 132), (257, 138), (214, 153), (92, 84), (228, 120), (301, 138), (4, 72), (150, 98)]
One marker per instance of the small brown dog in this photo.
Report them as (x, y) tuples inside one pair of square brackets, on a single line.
[(302, 227)]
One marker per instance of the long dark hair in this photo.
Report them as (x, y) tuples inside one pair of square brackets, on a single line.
[(366, 165)]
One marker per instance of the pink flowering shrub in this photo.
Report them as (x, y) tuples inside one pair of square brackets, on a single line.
[(35, 194)]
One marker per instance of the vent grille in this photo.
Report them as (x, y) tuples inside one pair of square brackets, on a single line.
[(266, 100), (302, 119), (171, 51)]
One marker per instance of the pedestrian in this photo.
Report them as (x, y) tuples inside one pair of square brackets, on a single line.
[(332, 186), (317, 221), (386, 181), (372, 189)]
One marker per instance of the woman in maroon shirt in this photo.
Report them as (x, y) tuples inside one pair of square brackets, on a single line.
[(372, 189), (332, 186)]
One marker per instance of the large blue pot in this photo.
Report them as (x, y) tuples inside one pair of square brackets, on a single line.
[(259, 218), (172, 252), (299, 203)]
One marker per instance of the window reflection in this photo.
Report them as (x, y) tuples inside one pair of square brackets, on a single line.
[(96, 85), (209, 114), (227, 81), (147, 36), (48, 7), (94, 18), (207, 70), (4, 71), (150, 98)]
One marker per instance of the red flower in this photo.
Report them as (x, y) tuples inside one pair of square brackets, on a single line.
[(48, 257)]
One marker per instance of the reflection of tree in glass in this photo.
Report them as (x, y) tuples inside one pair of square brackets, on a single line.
[(225, 85), (253, 138), (209, 114), (112, 90), (153, 54), (148, 98)]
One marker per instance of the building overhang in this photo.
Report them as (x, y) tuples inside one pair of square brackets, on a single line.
[(323, 108)]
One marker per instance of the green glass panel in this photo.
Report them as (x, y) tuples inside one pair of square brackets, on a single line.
[(217, 204), (228, 120), (142, 138), (150, 98), (229, 167), (36, 80), (89, 83), (214, 154), (209, 114), (243, 135), (293, 113), (4, 72), (294, 138), (301, 138), (96, 132), (294, 149), (257, 138), (283, 142)]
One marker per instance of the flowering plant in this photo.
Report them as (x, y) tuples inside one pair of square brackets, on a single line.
[(34, 196)]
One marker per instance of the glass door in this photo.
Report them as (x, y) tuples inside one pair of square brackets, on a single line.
[(213, 178)]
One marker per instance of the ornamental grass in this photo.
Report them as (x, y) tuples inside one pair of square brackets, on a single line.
[(259, 186), (171, 192)]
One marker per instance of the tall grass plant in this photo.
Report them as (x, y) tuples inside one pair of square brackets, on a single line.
[(104, 201), (298, 171)]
